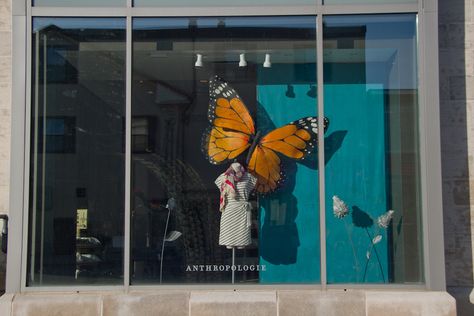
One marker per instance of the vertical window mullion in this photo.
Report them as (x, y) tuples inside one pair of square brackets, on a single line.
[(321, 173), (27, 157), (128, 138)]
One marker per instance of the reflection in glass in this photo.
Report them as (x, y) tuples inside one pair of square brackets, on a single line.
[(80, 3), (174, 60), (76, 215), (368, 1), (372, 182), (204, 3)]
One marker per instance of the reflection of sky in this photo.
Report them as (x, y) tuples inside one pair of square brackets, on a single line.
[(247, 22), (82, 3), (368, 1), (203, 3), (79, 23), (395, 33)]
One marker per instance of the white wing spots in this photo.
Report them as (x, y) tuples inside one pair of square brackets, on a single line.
[(315, 130), (314, 125)]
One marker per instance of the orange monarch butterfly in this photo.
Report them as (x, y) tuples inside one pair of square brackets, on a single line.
[(232, 132)]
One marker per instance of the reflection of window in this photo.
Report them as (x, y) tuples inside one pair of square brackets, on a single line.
[(60, 135), (60, 70), (142, 134)]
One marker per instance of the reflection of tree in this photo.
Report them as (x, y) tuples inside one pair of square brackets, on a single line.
[(193, 205)]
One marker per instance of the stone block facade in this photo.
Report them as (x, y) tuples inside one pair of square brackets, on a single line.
[(456, 48), (232, 303), (5, 115)]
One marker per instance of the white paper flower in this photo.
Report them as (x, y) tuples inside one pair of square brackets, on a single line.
[(384, 220), (339, 208), (377, 239)]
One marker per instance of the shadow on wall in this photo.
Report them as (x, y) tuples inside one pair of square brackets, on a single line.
[(284, 236), (455, 100)]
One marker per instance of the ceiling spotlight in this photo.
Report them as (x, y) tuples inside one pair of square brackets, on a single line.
[(198, 60), (267, 63), (242, 62), (312, 93), (290, 91)]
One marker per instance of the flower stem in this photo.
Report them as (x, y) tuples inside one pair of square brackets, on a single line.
[(372, 246), (349, 236)]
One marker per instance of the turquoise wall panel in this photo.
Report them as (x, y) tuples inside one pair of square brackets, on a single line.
[(356, 173), (289, 219)]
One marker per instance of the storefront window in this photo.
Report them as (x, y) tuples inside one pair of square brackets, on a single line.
[(190, 79), (372, 180), (76, 215), (224, 154)]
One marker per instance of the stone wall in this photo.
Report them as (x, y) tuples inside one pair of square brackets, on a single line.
[(456, 42), (231, 303), (5, 110)]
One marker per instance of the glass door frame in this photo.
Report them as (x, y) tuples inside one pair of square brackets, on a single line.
[(429, 133)]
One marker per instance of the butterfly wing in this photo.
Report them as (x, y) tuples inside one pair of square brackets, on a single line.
[(220, 145), (231, 124), (226, 108), (295, 140), (264, 164)]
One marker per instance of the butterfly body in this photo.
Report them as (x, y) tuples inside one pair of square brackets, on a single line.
[(233, 132), (255, 140)]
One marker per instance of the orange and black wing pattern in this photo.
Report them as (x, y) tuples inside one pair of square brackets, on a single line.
[(220, 145), (226, 108), (295, 140), (265, 165), (232, 132), (232, 126)]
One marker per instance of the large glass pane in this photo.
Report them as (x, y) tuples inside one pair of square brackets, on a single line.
[(179, 234), (80, 3), (76, 218), (201, 3), (372, 181)]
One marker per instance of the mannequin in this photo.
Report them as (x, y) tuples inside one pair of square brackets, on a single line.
[(235, 186)]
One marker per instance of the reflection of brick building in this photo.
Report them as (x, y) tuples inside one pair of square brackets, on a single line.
[(456, 52)]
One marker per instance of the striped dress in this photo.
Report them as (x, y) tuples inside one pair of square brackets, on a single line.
[(236, 217)]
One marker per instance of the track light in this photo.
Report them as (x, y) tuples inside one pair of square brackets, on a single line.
[(242, 62), (267, 63), (198, 60), (290, 91)]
